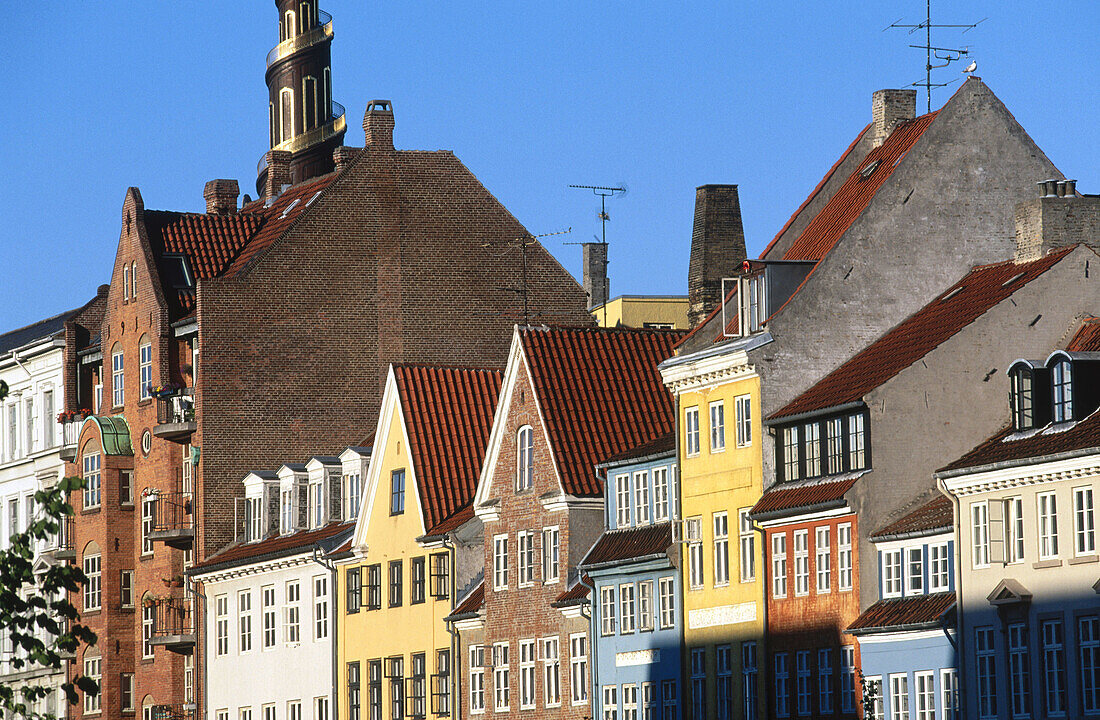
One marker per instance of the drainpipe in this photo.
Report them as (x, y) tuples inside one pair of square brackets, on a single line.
[(960, 660), (456, 674), (762, 653), (200, 638), (593, 663), (320, 559)]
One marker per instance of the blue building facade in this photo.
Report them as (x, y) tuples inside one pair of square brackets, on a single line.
[(907, 639), (637, 616)]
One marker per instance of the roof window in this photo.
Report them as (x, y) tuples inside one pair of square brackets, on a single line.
[(870, 169), (290, 207)]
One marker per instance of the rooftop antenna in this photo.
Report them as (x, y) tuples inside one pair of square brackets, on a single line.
[(604, 193), (932, 52), (523, 243)]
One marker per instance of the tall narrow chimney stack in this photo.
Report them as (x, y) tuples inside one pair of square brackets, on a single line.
[(717, 247), (594, 273), (378, 124), (888, 108)]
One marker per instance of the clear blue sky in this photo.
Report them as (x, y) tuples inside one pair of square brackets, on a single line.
[(532, 96)]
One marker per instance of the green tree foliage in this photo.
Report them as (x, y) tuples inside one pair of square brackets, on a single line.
[(41, 624)]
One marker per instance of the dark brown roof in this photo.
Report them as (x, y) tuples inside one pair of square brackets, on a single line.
[(1005, 446), (938, 514), (242, 553), (599, 393), (576, 594), (629, 544), (472, 603), (908, 613), (920, 333), (662, 445), (784, 498), (448, 415)]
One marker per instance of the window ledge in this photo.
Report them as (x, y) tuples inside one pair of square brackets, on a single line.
[(91, 510), (1053, 562), (145, 401), (1084, 559)]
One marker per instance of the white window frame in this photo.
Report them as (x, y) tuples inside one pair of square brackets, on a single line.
[(661, 505), (743, 410), (645, 605), (914, 560), (93, 670), (118, 377), (148, 522), (578, 668), (609, 610), (1084, 521), (551, 560), (221, 625), (145, 368), (717, 426), (550, 655), (500, 562), (823, 565), (779, 565), (641, 497), (847, 679), (525, 542), (979, 534), (244, 621), (292, 613), (610, 705), (93, 588), (320, 607), (899, 696), (1014, 518), (270, 625), (477, 679), (527, 674), (893, 573), (525, 458), (949, 693), (939, 567), (801, 563), (666, 587), (747, 545), (502, 681), (91, 464), (628, 612), (720, 525), (695, 552), (622, 500), (924, 695), (1048, 525), (691, 431)]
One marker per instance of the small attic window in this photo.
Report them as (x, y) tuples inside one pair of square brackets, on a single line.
[(867, 171), (315, 196), (175, 272), (1012, 279), (290, 207)]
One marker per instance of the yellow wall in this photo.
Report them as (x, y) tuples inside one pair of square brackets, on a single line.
[(397, 631), (713, 481), (637, 310)]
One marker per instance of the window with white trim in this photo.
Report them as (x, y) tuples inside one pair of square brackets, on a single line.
[(823, 559), (118, 377), (645, 605), (93, 593), (500, 562), (979, 534), (667, 588), (790, 453), (1062, 375), (834, 445), (126, 588), (660, 494), (148, 522), (244, 621), (610, 702), (914, 571), (925, 695), (550, 561), (721, 549), (267, 595), (1048, 525), (622, 501), (502, 689), (949, 693), (526, 674), (627, 611), (92, 480), (691, 431), (477, 679), (899, 697), (742, 405), (811, 443), (847, 679), (145, 367), (525, 458), (1088, 644), (891, 573), (608, 610), (987, 672), (320, 607), (292, 613), (93, 670), (630, 701), (939, 577), (578, 668), (221, 625), (1019, 671), (717, 426), (779, 565), (801, 562), (649, 701), (1015, 535), (641, 497), (747, 542), (695, 551), (1084, 522), (844, 556), (551, 671), (857, 442), (148, 615), (526, 541)]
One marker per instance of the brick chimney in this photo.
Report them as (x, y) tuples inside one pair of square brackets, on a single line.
[(278, 174), (221, 197), (378, 124), (888, 108), (594, 273), (1057, 218), (343, 155), (717, 247)]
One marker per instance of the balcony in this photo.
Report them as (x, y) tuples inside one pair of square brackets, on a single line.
[(61, 547), (176, 417), (173, 712), (174, 624), (288, 47), (70, 433), (173, 520)]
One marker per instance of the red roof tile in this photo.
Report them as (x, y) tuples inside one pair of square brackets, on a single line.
[(600, 394), (920, 333), (662, 445), (448, 415), (938, 514), (575, 594), (629, 543), (242, 553), (785, 497), (904, 613), (1087, 338), (1007, 446), (472, 603)]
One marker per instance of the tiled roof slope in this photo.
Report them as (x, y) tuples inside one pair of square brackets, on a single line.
[(787, 497), (1006, 447), (472, 603), (576, 594), (599, 393), (855, 194), (1087, 338), (938, 514), (278, 545), (629, 543), (448, 415), (15, 339), (660, 446), (904, 613), (920, 333)]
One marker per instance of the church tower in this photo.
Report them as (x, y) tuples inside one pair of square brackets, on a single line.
[(305, 124)]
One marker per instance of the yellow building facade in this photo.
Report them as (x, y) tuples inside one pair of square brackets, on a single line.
[(721, 474), (644, 311), (395, 654)]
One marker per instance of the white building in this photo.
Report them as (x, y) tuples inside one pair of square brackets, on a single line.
[(31, 440), (267, 644)]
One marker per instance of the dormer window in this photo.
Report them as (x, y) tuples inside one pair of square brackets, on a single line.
[(255, 519), (826, 446), (1023, 399), (1063, 391), (752, 303), (525, 459)]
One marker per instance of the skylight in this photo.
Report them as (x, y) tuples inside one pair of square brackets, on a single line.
[(290, 207)]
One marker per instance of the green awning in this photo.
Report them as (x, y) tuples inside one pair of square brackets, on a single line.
[(115, 433)]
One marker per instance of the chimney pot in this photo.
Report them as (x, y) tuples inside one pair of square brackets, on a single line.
[(221, 197), (1060, 188), (1051, 188), (1071, 188), (378, 124), (888, 108)]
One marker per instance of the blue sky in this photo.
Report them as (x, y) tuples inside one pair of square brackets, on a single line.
[(662, 96)]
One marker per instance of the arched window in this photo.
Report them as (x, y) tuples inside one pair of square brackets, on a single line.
[(118, 376), (289, 25), (147, 708), (93, 568), (125, 283), (286, 114), (91, 474), (145, 366), (1023, 399), (133, 280), (1063, 391), (525, 459)]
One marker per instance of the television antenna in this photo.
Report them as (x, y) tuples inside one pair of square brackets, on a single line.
[(932, 52), (604, 192), (523, 243)]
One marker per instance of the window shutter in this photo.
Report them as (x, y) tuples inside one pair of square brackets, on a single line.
[(997, 512), (301, 488), (334, 496)]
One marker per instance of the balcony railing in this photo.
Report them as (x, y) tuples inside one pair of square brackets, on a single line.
[(287, 47), (70, 433), (61, 546), (336, 124), (173, 519), (174, 624), (176, 417), (173, 712)]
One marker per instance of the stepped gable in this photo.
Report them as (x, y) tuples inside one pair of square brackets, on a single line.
[(599, 394), (916, 336), (448, 415)]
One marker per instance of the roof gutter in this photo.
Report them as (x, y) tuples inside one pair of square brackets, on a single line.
[(801, 510), (784, 419), (1018, 462), (624, 561), (907, 627), (912, 534)]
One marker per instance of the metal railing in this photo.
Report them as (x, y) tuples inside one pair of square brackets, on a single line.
[(322, 32), (336, 124), (171, 511), (172, 617), (176, 409)]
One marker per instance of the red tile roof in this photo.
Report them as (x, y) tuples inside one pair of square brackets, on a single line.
[(600, 394), (629, 543), (448, 415), (241, 553), (920, 333), (472, 603), (576, 593), (784, 498), (908, 613), (1006, 447), (938, 514), (660, 446), (1087, 338)]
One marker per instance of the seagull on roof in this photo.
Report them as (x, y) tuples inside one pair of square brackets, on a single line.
[(971, 67)]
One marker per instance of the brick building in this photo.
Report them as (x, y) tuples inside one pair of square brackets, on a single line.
[(261, 330), (570, 399)]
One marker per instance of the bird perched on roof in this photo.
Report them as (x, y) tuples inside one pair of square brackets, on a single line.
[(971, 67)]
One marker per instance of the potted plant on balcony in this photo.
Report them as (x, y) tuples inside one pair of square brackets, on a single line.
[(176, 581), (164, 391), (148, 601)]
